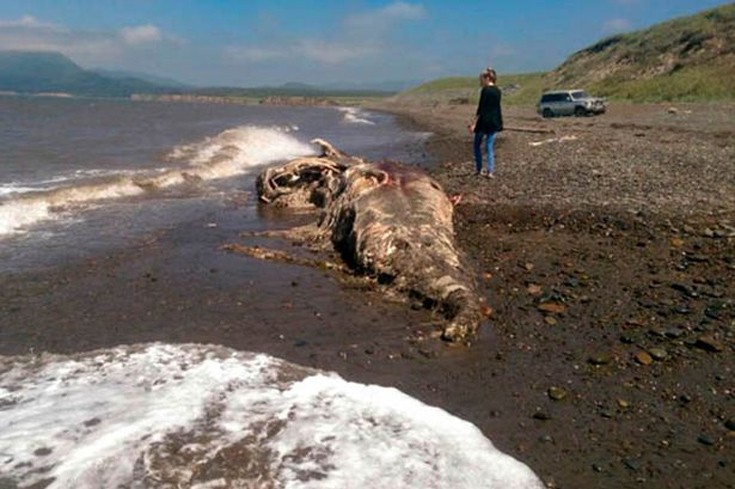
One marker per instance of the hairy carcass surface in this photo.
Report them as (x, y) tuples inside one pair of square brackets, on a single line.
[(389, 221)]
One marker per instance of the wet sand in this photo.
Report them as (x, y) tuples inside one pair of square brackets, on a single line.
[(609, 260)]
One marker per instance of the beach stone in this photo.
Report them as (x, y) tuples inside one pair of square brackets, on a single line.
[(632, 463), (674, 332), (541, 415), (534, 289), (599, 358), (706, 439), (550, 320), (658, 353), (643, 358), (557, 393), (677, 242), (552, 307), (709, 343)]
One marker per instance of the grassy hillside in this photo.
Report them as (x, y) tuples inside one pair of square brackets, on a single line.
[(523, 89), (689, 58), (686, 59)]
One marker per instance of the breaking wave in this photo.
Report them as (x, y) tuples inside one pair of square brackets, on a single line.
[(355, 116), (229, 153), (160, 415)]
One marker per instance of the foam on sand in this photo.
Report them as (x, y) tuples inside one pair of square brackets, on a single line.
[(160, 415)]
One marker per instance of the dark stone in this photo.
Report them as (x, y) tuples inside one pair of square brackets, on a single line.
[(706, 439)]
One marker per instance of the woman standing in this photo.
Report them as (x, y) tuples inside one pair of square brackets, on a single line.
[(488, 122)]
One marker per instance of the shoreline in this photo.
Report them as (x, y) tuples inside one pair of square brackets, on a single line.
[(580, 288)]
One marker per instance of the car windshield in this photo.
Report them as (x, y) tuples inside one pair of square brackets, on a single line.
[(579, 94)]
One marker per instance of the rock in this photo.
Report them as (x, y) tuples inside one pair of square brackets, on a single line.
[(552, 307), (541, 415), (706, 439), (730, 424), (546, 439), (550, 320), (643, 358), (673, 332), (709, 343), (599, 359), (677, 242), (557, 393), (632, 463), (658, 353), (534, 289)]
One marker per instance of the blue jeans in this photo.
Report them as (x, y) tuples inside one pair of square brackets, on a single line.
[(489, 150)]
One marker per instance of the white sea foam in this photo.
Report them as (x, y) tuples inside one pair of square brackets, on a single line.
[(160, 415), (354, 115), (229, 153)]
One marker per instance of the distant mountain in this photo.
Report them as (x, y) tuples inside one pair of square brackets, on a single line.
[(43, 72), (688, 57), (156, 80)]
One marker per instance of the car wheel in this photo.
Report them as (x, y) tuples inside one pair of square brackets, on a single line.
[(580, 111), (547, 113)]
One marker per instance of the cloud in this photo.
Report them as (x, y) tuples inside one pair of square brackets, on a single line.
[(617, 25), (140, 34), (333, 53), (29, 34), (85, 47), (380, 19), (27, 21)]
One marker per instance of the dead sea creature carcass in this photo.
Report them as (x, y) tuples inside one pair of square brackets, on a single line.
[(389, 221)]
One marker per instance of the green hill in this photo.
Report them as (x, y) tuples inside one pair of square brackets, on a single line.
[(689, 58), (43, 72), (685, 59)]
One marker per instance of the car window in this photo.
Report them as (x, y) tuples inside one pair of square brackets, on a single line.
[(579, 94)]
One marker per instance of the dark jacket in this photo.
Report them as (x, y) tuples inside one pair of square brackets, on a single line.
[(489, 114)]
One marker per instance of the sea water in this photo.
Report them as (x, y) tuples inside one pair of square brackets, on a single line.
[(157, 415), (79, 177)]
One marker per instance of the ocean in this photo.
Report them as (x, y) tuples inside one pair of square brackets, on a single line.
[(84, 177), (79, 176)]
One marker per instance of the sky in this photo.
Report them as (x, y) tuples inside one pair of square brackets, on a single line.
[(248, 43)]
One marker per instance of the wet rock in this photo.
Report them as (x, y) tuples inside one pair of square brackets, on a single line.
[(599, 358), (697, 258), (643, 358), (632, 463), (706, 439), (673, 332), (709, 343), (557, 393), (541, 415), (552, 307), (626, 338), (658, 353)]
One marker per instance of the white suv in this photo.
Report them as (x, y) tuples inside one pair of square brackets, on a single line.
[(569, 102)]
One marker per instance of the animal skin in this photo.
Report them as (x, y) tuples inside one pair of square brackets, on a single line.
[(389, 221)]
